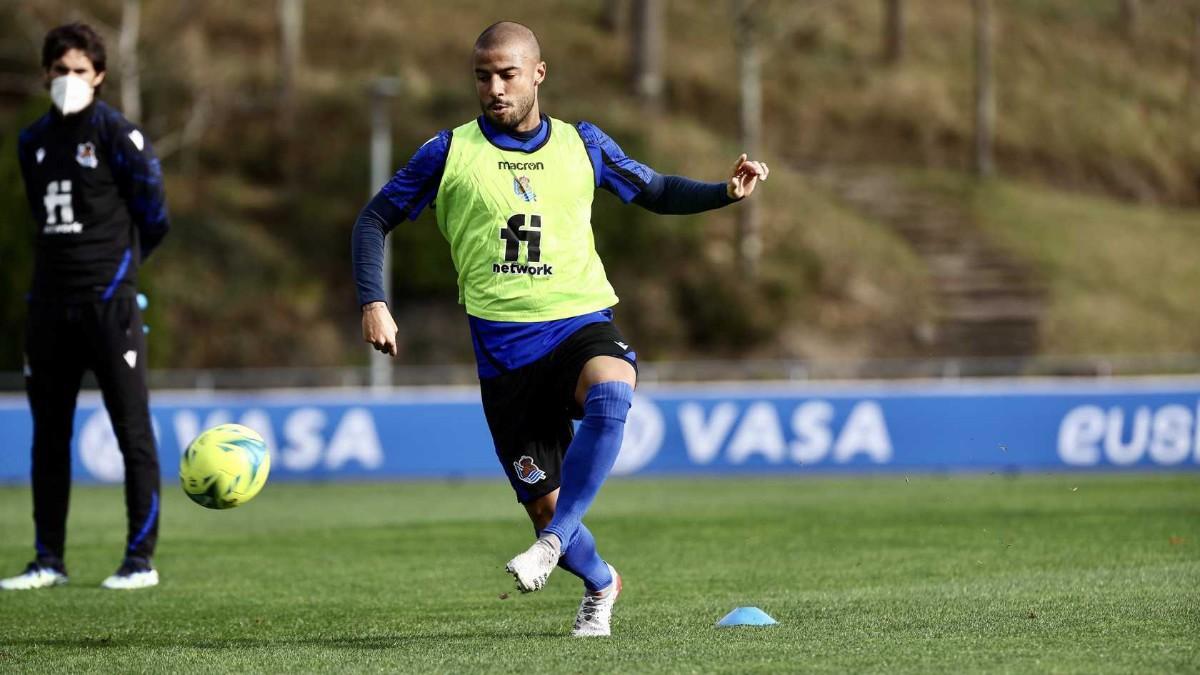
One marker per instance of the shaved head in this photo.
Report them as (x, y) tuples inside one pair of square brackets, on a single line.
[(508, 71), (509, 34)]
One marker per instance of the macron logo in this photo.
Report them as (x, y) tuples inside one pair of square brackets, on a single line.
[(131, 358), (520, 166)]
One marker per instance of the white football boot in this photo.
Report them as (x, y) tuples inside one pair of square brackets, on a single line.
[(34, 576), (533, 567), (595, 612), (132, 575)]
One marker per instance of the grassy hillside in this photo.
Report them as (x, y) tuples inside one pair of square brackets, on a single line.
[(256, 272), (1122, 279)]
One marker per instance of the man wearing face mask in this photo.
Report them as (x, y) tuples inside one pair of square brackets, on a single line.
[(95, 189)]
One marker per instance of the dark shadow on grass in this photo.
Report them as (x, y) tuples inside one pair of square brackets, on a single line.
[(349, 642)]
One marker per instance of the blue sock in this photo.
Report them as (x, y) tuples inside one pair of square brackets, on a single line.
[(590, 456), (580, 558)]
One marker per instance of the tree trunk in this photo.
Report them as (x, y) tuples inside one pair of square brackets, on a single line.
[(985, 103), (647, 51), (616, 17), (893, 31), (127, 43), (1193, 85), (1129, 19), (749, 237), (291, 26)]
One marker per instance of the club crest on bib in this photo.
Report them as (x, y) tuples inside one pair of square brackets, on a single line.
[(524, 189), (527, 470), (85, 155)]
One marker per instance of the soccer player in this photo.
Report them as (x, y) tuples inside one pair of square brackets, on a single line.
[(96, 192), (514, 192)]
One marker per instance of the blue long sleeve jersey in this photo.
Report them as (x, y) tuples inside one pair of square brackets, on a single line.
[(501, 346)]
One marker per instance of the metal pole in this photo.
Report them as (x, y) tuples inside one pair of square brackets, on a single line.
[(382, 91)]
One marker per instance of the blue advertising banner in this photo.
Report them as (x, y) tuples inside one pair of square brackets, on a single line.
[(746, 428)]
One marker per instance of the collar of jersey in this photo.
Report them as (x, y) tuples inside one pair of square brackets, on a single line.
[(505, 142), (74, 119)]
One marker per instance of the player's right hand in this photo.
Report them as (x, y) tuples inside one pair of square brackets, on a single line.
[(745, 177), (379, 328)]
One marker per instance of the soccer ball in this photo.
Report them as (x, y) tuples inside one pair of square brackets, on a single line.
[(225, 466)]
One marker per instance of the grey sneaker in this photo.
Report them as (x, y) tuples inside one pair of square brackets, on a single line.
[(533, 567), (595, 612)]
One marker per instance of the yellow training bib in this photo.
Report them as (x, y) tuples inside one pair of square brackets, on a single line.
[(520, 227)]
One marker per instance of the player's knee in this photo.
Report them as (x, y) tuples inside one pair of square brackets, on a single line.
[(602, 369), (609, 400)]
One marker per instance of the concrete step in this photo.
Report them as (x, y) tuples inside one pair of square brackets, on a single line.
[(988, 302), (987, 288), (995, 312)]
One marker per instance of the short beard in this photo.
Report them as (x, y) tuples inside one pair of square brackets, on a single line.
[(518, 111)]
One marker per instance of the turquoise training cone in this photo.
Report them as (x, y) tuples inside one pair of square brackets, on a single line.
[(746, 616)]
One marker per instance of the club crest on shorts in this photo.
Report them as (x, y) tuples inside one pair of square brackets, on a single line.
[(85, 155), (527, 470), (524, 189)]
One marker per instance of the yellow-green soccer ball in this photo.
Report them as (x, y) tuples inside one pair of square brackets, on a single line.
[(225, 466)]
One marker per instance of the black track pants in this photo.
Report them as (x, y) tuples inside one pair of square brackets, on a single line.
[(62, 341)]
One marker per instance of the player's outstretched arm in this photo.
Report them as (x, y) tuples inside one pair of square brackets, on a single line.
[(635, 182), (745, 177)]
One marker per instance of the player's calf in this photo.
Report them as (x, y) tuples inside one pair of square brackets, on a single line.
[(591, 454)]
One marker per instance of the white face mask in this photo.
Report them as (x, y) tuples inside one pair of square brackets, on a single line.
[(70, 93)]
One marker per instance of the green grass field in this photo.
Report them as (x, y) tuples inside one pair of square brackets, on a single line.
[(1054, 573)]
